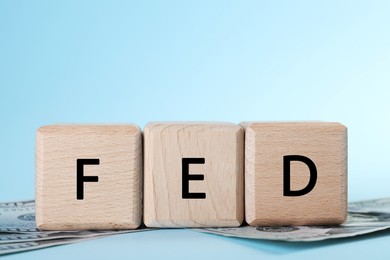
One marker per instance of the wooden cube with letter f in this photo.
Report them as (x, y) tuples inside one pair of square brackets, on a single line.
[(88, 177), (193, 175), (295, 173)]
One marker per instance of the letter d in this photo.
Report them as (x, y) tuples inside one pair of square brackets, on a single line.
[(287, 175)]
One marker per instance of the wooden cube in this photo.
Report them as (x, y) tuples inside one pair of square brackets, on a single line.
[(280, 188), (193, 175), (88, 177)]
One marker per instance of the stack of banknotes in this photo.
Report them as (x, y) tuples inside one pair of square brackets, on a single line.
[(18, 232)]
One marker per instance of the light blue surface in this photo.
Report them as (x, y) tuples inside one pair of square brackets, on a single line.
[(186, 244), (127, 61)]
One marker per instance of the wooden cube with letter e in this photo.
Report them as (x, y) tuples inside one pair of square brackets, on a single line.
[(295, 173), (193, 175), (88, 177)]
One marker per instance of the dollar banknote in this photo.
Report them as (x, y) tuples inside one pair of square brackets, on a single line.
[(33, 245), (377, 205), (17, 216), (363, 217), (19, 233)]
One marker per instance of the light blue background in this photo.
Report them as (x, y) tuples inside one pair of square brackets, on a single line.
[(128, 61)]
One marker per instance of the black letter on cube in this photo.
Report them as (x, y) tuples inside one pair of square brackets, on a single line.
[(81, 178), (193, 177), (286, 175)]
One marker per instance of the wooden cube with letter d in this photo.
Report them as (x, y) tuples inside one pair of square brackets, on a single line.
[(295, 173), (193, 175)]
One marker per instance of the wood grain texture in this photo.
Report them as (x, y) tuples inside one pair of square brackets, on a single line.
[(266, 144), (221, 144), (114, 202)]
